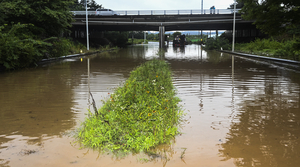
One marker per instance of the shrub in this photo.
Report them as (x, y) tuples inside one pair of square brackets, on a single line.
[(19, 51), (59, 47)]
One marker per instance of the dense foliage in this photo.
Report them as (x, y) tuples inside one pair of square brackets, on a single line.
[(217, 43), (32, 30), (153, 37), (270, 47), (49, 18), (16, 51), (20, 50), (273, 17), (140, 115), (116, 38)]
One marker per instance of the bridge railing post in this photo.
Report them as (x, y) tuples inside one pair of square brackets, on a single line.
[(151, 12), (164, 12), (138, 12), (125, 13), (217, 11), (178, 12), (191, 12)]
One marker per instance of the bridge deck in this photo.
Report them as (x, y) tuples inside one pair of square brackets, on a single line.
[(171, 22)]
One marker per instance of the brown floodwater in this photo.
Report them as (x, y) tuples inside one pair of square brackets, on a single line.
[(243, 116)]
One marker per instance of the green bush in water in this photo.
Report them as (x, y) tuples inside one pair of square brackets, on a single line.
[(140, 115)]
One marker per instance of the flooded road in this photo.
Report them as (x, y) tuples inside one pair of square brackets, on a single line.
[(248, 115)]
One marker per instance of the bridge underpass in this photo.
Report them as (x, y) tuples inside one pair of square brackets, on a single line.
[(162, 23)]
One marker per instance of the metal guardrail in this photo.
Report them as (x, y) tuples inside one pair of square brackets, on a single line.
[(162, 12)]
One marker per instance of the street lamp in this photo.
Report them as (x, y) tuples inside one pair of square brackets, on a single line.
[(233, 33), (201, 6), (87, 26)]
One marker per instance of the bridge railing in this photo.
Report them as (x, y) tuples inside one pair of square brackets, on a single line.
[(162, 12)]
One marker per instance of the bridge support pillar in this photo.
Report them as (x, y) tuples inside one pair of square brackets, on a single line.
[(161, 36)]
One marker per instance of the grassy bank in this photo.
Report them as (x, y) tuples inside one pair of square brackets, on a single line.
[(141, 114), (289, 49)]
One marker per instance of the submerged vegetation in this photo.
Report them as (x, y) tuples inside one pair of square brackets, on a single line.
[(141, 114)]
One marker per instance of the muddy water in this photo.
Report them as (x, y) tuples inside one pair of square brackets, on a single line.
[(243, 116)]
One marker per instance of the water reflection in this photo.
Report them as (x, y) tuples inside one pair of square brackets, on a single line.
[(266, 130), (179, 50), (36, 102)]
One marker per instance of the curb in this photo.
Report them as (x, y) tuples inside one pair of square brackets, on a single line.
[(44, 61)]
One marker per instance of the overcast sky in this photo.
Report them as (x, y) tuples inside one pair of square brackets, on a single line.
[(163, 4)]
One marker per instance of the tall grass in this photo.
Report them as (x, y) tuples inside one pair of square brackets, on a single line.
[(141, 114)]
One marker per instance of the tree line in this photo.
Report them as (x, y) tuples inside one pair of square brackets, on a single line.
[(32, 30)]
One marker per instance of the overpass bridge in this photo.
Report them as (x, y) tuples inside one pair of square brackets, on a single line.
[(162, 20)]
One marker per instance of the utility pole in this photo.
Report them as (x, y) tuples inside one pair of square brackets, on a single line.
[(87, 26)]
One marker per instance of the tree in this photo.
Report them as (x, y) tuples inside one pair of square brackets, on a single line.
[(93, 5), (176, 33), (49, 18), (273, 17), (76, 6), (80, 5), (29, 31), (152, 37), (17, 51), (239, 5)]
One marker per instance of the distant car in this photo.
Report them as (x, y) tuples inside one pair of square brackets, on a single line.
[(107, 12)]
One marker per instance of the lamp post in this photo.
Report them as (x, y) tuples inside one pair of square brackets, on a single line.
[(201, 6), (87, 26), (233, 31)]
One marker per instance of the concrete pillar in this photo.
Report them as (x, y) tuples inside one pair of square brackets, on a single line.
[(161, 36)]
